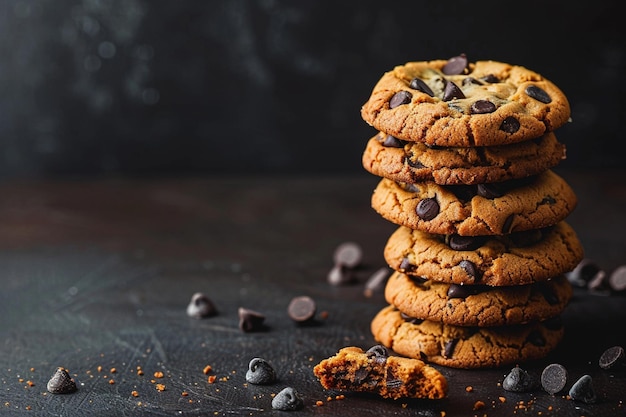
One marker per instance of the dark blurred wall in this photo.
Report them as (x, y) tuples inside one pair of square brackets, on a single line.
[(140, 87)]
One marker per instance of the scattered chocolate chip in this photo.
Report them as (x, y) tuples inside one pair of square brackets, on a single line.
[(464, 291), (538, 94), (400, 98), (61, 382), (611, 357), (482, 107), (617, 279), (599, 284), (448, 348), (465, 243), (452, 91), (583, 390), (419, 85), (510, 125), (378, 352), (377, 281), (301, 309), (392, 142), (583, 273), (340, 275), (470, 269), (519, 380), (427, 209), (200, 306), (455, 65), (287, 400), (348, 254), (507, 227), (250, 320), (554, 378), (489, 191), (260, 372), (490, 78)]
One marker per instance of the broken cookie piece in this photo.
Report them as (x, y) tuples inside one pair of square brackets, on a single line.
[(375, 371)]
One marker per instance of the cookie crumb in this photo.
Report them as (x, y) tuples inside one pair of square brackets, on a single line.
[(134, 393), (469, 388), (160, 387), (211, 379), (207, 369), (158, 374), (478, 405)]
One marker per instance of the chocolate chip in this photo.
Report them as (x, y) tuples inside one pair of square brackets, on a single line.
[(538, 94), (489, 191), (461, 191), (61, 382), (427, 209), (518, 380), (378, 352), (419, 85), (470, 269), (287, 400), (455, 65), (417, 280), (554, 378), (405, 265), (393, 142), (376, 281), (465, 243), (508, 224), (490, 78), (448, 348), (250, 320), (413, 163), (340, 275), (548, 293), (583, 273), (536, 338), (301, 309), (409, 319), (617, 279), (599, 284), (510, 125), (583, 390), (400, 98), (260, 372), (611, 357), (412, 188), (200, 306), (471, 80), (452, 91), (482, 107), (348, 254), (463, 291)]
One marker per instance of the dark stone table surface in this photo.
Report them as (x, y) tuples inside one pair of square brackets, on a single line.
[(96, 276)]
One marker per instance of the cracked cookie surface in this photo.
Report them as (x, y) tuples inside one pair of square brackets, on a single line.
[(465, 347), (515, 259), (482, 103), (388, 157), (487, 209), (477, 305)]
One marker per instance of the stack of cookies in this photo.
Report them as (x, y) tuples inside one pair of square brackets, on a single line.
[(465, 151)]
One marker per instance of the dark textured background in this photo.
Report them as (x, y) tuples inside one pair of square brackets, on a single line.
[(137, 87)]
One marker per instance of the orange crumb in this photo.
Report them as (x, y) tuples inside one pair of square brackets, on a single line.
[(469, 388), (99, 368), (160, 387), (134, 394), (340, 397), (32, 369), (319, 403), (329, 398), (158, 374), (139, 372), (211, 379), (184, 393), (207, 369), (28, 407), (30, 383), (478, 405), (20, 380), (502, 399), (111, 381), (113, 370), (324, 315)]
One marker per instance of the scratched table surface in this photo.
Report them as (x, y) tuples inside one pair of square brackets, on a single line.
[(96, 277)]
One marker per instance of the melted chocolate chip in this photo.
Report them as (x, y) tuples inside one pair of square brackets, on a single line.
[(548, 293), (470, 269), (463, 192), (452, 91), (406, 265), (508, 224), (464, 243), (510, 125), (526, 237), (400, 98), (392, 142), (448, 348), (538, 94), (409, 319), (482, 107), (463, 291), (489, 191), (413, 164), (378, 352), (455, 65), (491, 79), (427, 209), (417, 280), (419, 85), (412, 188)]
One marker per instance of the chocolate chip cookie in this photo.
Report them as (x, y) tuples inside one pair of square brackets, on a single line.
[(477, 305), (465, 347), (460, 103), (469, 210), (399, 160), (514, 259)]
